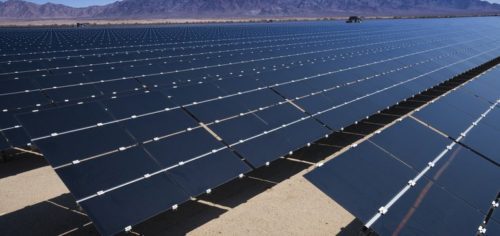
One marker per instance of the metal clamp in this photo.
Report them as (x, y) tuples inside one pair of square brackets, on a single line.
[(481, 229), (382, 210)]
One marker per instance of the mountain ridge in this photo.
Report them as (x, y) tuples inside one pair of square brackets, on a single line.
[(133, 9)]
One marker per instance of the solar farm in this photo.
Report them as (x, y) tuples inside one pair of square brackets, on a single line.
[(395, 121)]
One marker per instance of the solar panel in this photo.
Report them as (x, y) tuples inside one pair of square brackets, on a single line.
[(430, 210), (493, 228), (113, 211), (65, 149), (223, 108), (411, 143), (468, 102), (4, 144), (22, 100), (359, 180), (482, 136), (107, 172), (464, 171), (138, 124), (51, 122), (16, 137), (344, 115), (280, 141), (441, 113), (104, 157), (447, 187), (139, 104)]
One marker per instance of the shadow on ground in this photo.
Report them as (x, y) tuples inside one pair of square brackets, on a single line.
[(355, 228), (20, 163), (52, 217)]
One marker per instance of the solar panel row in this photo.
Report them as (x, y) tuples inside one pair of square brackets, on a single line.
[(420, 176), (83, 79), (187, 126), (37, 97), (467, 104)]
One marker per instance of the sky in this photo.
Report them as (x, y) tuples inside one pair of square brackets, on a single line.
[(78, 3), (84, 3)]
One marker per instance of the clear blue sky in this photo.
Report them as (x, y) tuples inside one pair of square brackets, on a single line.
[(77, 3), (84, 3)]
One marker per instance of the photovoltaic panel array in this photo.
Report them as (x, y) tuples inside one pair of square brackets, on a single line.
[(467, 104), (137, 120), (422, 175), (47, 68)]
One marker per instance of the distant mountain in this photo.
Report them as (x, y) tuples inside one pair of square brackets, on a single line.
[(126, 9), (18, 9)]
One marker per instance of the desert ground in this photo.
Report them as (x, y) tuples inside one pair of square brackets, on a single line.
[(104, 22)]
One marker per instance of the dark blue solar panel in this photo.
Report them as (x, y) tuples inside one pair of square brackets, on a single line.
[(159, 125), (242, 127), (31, 99), (64, 149), (462, 103), (177, 148), (198, 93), (233, 106), (315, 103), (455, 191), (198, 176), (491, 119), (412, 143), (481, 88), (17, 137), (493, 228), (235, 85), (7, 120), (344, 116), (17, 85), (134, 203), (390, 97), (428, 209), (48, 122), (3, 142), (117, 86), (359, 179), (206, 157), (481, 137), (463, 172), (106, 172), (441, 115), (466, 102), (271, 146), (72, 93), (127, 106)]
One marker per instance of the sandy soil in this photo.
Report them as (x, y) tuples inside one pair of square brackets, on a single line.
[(293, 207), (102, 22), (28, 188)]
